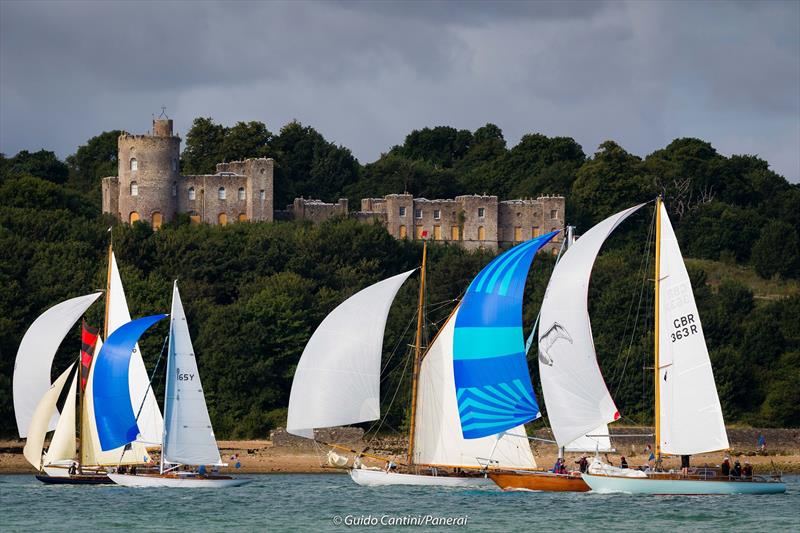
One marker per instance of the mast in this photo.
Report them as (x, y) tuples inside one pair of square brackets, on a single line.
[(108, 293), (656, 333), (79, 418), (417, 353)]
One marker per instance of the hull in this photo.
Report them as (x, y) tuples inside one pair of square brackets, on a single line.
[(156, 480), (379, 478), (539, 481), (75, 480), (654, 485)]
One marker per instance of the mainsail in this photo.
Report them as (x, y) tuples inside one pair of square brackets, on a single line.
[(578, 401), (493, 384), (142, 398), (114, 415), (38, 426), (91, 453), (35, 357), (690, 413), (438, 439), (62, 445), (188, 435), (337, 381)]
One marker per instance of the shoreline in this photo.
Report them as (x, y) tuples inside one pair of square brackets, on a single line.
[(262, 457)]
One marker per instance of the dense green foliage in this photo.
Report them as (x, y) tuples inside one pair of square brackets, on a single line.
[(254, 292)]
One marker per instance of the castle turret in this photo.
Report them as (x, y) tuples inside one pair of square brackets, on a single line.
[(148, 174)]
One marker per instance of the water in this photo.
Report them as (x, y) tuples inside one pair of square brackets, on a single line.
[(312, 503)]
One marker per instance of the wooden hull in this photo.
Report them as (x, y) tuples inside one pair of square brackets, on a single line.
[(75, 480), (664, 484), (378, 478), (539, 481), (178, 481)]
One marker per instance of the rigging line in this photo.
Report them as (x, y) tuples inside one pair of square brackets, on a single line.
[(399, 342), (644, 264), (382, 420)]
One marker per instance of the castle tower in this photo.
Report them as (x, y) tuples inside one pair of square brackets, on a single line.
[(148, 174)]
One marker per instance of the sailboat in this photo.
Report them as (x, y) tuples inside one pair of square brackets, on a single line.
[(188, 437), (688, 414), (337, 382), (35, 398)]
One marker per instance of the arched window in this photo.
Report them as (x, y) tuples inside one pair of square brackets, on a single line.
[(262, 195), (174, 188), (221, 193), (241, 193), (481, 233), (242, 217), (134, 164), (134, 189), (157, 220), (222, 219), (134, 217), (192, 194)]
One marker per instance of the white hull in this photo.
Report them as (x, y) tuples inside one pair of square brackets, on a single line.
[(154, 480), (379, 478), (610, 484)]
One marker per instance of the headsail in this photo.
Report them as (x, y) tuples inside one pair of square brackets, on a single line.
[(62, 445), (151, 423), (35, 357), (337, 381), (91, 454), (114, 415), (438, 438), (690, 412), (38, 427), (188, 435), (577, 398), (493, 384)]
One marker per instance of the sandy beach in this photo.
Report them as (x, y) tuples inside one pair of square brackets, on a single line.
[(262, 457)]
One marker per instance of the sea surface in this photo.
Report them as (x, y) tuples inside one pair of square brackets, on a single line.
[(313, 503)]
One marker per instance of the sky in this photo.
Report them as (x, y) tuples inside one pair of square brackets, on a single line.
[(365, 74)]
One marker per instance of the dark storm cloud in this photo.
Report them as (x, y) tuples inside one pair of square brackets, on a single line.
[(366, 73)]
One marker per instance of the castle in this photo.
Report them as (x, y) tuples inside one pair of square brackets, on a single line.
[(150, 188)]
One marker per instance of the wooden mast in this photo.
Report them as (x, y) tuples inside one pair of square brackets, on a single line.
[(417, 358), (656, 370)]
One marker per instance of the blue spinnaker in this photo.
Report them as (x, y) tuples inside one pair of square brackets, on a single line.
[(493, 384), (113, 412)]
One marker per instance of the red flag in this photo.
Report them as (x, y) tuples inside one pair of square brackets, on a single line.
[(425, 234), (88, 342)]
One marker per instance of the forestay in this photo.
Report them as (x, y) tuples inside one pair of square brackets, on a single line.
[(337, 381), (577, 398), (151, 423), (35, 357), (114, 415), (91, 454), (188, 435), (438, 439), (493, 384), (690, 412), (62, 445), (38, 427)]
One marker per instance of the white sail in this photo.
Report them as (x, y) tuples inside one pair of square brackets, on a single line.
[(188, 435), (35, 357), (438, 439), (150, 421), (596, 440), (690, 413), (337, 381), (38, 427), (62, 445), (576, 396), (91, 452)]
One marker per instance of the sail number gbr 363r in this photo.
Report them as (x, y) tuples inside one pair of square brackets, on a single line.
[(684, 326)]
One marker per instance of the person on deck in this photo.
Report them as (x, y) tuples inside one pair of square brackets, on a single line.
[(725, 467), (201, 470), (747, 471), (583, 464), (623, 463), (609, 461), (737, 469), (685, 465)]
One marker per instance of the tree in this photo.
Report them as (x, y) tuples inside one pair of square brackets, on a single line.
[(93, 161), (42, 164), (441, 146), (245, 140), (777, 251), (204, 147)]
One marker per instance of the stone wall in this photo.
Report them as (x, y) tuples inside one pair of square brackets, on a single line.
[(207, 204), (110, 191), (340, 435), (317, 210)]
